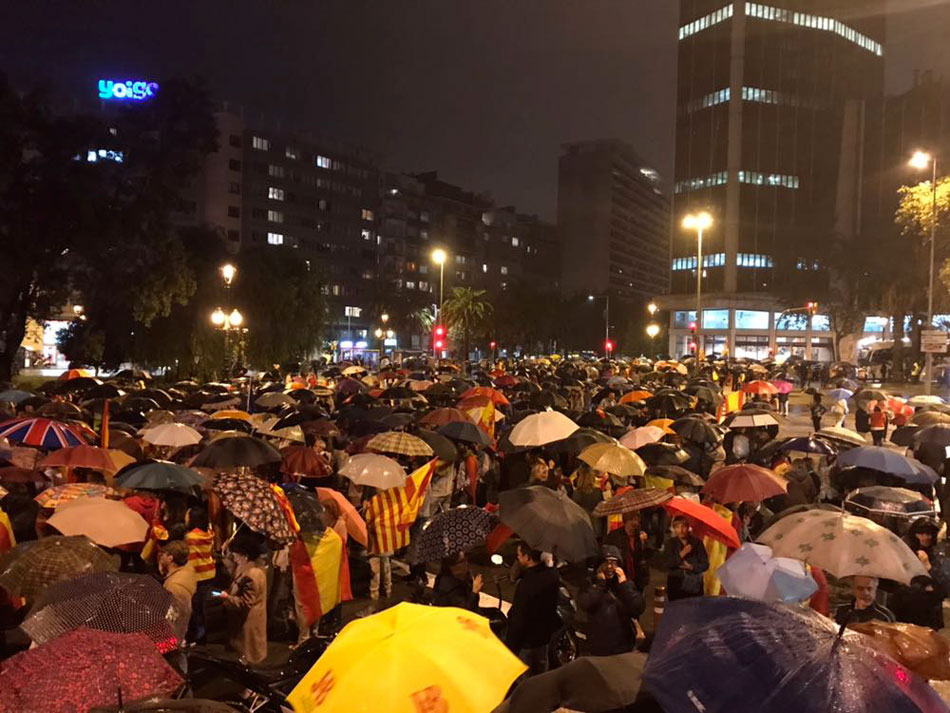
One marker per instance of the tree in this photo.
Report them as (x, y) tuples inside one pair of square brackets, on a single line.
[(466, 312)]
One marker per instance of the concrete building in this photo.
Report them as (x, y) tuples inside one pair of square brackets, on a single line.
[(614, 222)]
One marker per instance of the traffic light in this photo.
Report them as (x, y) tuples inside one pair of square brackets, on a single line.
[(811, 308), (439, 343), (608, 346), (492, 344), (438, 336), (439, 331), (692, 327)]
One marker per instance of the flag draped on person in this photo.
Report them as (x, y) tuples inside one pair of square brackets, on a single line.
[(7, 540), (390, 514), (321, 573)]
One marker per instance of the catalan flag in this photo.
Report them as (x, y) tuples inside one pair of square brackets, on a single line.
[(201, 553), (321, 573), (390, 514)]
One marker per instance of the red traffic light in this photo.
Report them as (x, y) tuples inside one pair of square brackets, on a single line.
[(692, 327), (492, 345), (609, 345), (439, 331), (439, 344)]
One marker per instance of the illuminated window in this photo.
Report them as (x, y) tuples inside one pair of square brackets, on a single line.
[(777, 180), (460, 259), (275, 194), (367, 234), (694, 184), (484, 268), (275, 238), (410, 284), (423, 285), (292, 153), (504, 269), (275, 216), (324, 162), (515, 242), (260, 143), (748, 319), (275, 171), (707, 21), (753, 260), (718, 97), (424, 216), (367, 214), (689, 263), (817, 22)]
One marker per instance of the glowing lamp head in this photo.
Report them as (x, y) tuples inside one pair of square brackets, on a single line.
[(439, 256), (698, 221), (235, 318), (379, 333), (385, 317), (228, 271), (653, 329), (217, 317), (920, 160), (652, 308)]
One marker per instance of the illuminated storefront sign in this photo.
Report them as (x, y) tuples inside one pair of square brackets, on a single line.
[(130, 90)]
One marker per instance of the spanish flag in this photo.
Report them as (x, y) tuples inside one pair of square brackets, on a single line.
[(7, 540), (321, 573), (390, 514)]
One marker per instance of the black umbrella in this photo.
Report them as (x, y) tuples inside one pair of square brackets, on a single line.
[(677, 474), (236, 452), (937, 434), (468, 432), (662, 454), (398, 420), (398, 392), (442, 446), (308, 510), (162, 398), (228, 424), (547, 399), (598, 419), (904, 436), (579, 440), (456, 530), (696, 430), (549, 521), (669, 402), (884, 501), (103, 391)]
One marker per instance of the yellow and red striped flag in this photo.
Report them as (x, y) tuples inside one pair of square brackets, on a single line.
[(390, 514), (7, 540), (321, 573), (104, 426), (487, 420)]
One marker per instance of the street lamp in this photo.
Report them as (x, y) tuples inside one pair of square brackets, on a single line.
[(652, 330), (217, 317), (439, 256), (698, 222), (590, 298), (652, 308), (228, 271), (384, 317), (921, 160)]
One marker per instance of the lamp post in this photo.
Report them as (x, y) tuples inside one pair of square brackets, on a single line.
[(227, 321), (921, 160), (698, 222), (606, 296), (439, 256), (652, 330)]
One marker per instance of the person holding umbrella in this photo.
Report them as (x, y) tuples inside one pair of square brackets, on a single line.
[(610, 601), (922, 602), (684, 556)]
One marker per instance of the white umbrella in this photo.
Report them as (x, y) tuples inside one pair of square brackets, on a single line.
[(924, 400), (752, 420), (844, 435), (539, 429), (844, 545), (352, 370), (273, 398), (637, 437), (375, 470), (752, 572), (176, 435), (109, 523)]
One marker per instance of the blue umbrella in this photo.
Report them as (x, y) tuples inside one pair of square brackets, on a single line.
[(15, 396), (724, 654), (840, 394), (886, 460), (808, 445)]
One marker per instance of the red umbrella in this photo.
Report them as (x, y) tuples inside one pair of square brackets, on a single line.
[(498, 398), (81, 457), (442, 416), (744, 482), (784, 387), (706, 522), (303, 460), (505, 380), (83, 669), (762, 388)]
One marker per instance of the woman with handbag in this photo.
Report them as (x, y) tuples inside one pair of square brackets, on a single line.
[(684, 556)]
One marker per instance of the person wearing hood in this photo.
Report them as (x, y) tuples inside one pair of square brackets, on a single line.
[(921, 603), (612, 603)]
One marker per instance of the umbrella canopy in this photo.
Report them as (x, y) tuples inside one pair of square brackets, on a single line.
[(303, 461), (442, 416), (308, 510), (15, 396), (40, 432), (808, 445), (922, 650), (549, 521), (174, 435), (30, 567), (662, 454), (844, 545), (744, 482), (668, 402), (696, 430), (61, 494), (613, 458), (374, 470), (273, 399), (637, 437), (928, 418), (752, 572), (160, 475), (837, 434), (254, 501), (468, 432), (840, 394), (760, 388), (636, 395), (663, 423), (632, 501), (593, 684), (890, 461), (925, 400), (750, 419), (355, 524), (236, 452), (705, 521), (108, 601), (882, 500), (407, 659), (676, 473), (443, 448), (792, 659), (937, 434), (84, 669), (784, 387), (456, 530), (81, 457), (579, 440), (399, 443), (497, 398), (109, 523), (539, 429)]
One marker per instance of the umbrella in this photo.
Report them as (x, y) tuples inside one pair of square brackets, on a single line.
[(663, 423), (160, 475), (594, 684), (41, 432), (256, 503), (579, 440), (15, 396), (837, 434), (219, 402), (887, 460), (844, 545), (549, 521), (924, 400), (303, 461), (497, 398), (613, 458), (174, 435), (30, 567), (696, 430), (668, 402), (937, 434), (273, 399), (468, 432), (539, 429), (83, 669), (108, 523), (409, 659), (750, 419), (808, 445), (637, 437), (759, 387), (308, 510), (840, 394), (929, 418), (632, 500), (60, 494), (81, 457), (662, 454), (705, 521), (723, 654), (752, 572), (922, 650), (227, 424), (744, 482), (236, 452), (442, 416), (637, 395), (108, 601), (904, 436), (784, 387), (882, 500), (374, 470), (865, 396), (675, 473), (355, 525), (399, 443), (443, 448), (456, 530)]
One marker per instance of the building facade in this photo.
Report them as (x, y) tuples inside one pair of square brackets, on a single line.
[(614, 222)]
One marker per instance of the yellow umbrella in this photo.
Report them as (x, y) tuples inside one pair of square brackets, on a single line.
[(120, 458), (407, 659), (663, 423), (613, 458), (233, 413)]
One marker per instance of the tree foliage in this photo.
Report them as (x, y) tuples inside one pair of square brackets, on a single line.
[(466, 313)]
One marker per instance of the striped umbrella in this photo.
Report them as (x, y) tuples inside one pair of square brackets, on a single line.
[(54, 497), (40, 432), (633, 500), (400, 443)]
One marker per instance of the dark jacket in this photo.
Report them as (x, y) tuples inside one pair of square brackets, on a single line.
[(697, 557), (914, 604), (610, 606), (641, 557), (533, 617), (847, 614), (449, 591)]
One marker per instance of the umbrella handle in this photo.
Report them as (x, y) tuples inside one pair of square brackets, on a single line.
[(227, 542)]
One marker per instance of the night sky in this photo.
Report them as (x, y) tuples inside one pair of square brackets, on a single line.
[(484, 91)]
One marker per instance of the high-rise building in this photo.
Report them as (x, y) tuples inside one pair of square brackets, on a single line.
[(761, 96), (614, 222)]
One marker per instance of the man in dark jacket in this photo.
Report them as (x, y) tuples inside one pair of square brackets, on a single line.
[(533, 619), (631, 541), (611, 602)]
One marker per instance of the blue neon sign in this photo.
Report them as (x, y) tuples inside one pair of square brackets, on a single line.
[(130, 90)]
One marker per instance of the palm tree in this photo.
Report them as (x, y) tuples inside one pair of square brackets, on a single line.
[(466, 312)]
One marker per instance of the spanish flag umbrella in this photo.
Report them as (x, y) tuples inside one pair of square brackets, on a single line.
[(407, 659)]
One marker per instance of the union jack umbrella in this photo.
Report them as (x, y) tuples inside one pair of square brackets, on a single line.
[(40, 432)]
